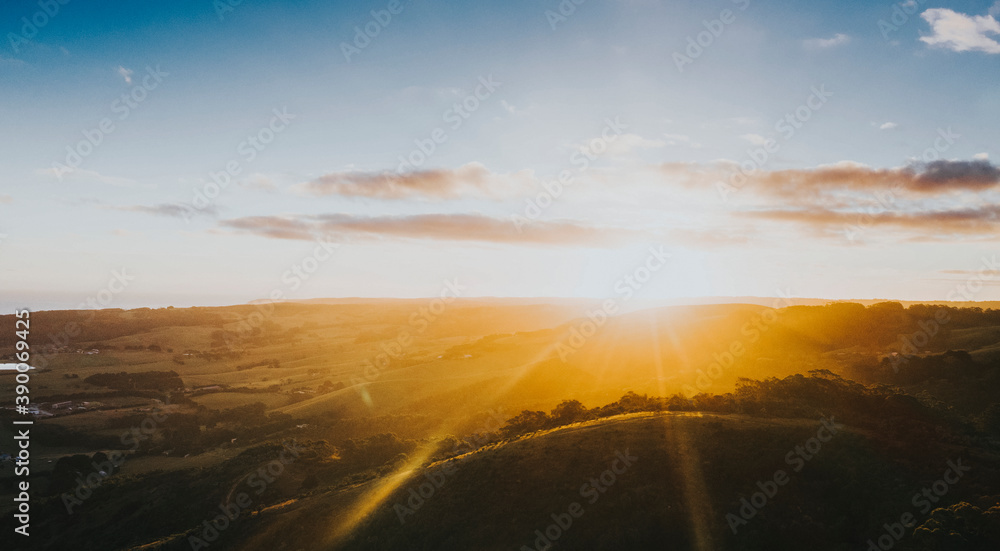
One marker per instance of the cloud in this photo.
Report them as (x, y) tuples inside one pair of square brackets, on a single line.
[(981, 156), (887, 126), (924, 178), (173, 210), (825, 199), (691, 174), (960, 32), (259, 182), (126, 74), (824, 43), (10, 61), (631, 142), (449, 227), (672, 140), (755, 139), (6, 199), (438, 183), (963, 221), (424, 94), (275, 227), (710, 238), (975, 174), (628, 144), (84, 175)]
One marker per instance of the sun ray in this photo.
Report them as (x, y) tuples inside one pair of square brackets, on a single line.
[(695, 492)]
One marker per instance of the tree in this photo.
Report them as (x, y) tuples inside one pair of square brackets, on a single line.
[(525, 422), (569, 411)]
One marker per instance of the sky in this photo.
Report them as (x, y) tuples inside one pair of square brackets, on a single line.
[(216, 152)]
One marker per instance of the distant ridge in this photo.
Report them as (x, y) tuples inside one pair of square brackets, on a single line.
[(643, 304)]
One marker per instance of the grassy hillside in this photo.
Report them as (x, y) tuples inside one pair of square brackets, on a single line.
[(383, 393), (688, 472)]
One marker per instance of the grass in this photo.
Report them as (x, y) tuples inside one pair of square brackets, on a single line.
[(227, 400)]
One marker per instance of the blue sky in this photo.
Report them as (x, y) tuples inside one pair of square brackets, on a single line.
[(886, 190)]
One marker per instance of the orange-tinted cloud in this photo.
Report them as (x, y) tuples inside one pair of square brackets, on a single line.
[(926, 178), (451, 227), (275, 227), (966, 221), (438, 183)]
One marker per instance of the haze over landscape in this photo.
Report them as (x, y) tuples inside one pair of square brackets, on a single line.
[(532, 275)]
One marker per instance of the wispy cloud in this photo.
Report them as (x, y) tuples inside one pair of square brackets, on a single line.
[(924, 178), (126, 74), (755, 139), (450, 227), (710, 238), (887, 126), (673, 140), (960, 32), (627, 143), (982, 221), (260, 182), (438, 183), (918, 180), (6, 199), (173, 210), (84, 175), (927, 201), (838, 39)]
